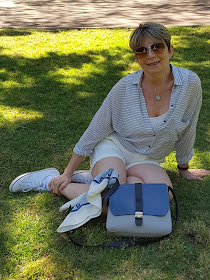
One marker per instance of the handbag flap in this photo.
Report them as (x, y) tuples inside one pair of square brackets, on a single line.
[(155, 200)]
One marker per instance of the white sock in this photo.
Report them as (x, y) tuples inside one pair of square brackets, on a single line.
[(46, 182), (82, 176)]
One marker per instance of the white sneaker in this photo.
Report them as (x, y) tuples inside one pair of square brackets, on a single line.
[(32, 180), (82, 176)]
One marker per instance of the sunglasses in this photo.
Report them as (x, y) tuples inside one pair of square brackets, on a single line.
[(156, 48)]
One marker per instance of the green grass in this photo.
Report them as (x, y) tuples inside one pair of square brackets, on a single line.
[(51, 84)]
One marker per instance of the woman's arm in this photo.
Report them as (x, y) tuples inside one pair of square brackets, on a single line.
[(60, 182), (184, 146), (192, 174)]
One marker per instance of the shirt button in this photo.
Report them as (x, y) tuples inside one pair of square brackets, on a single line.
[(149, 146)]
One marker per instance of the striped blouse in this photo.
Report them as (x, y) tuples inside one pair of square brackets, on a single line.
[(124, 114)]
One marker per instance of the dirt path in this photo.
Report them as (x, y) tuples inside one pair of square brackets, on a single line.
[(97, 13)]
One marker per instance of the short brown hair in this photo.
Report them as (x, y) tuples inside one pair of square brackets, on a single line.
[(151, 29)]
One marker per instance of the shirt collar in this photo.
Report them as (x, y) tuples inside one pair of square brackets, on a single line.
[(137, 78), (177, 78)]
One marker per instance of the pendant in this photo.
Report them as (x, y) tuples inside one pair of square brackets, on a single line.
[(158, 97)]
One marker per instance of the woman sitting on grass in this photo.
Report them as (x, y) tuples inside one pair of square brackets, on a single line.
[(143, 118)]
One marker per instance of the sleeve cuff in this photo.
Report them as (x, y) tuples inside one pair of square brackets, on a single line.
[(184, 159), (77, 150)]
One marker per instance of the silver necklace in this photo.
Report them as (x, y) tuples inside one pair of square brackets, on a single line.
[(157, 97)]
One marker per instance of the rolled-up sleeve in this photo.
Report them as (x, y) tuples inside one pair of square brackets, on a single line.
[(185, 144)]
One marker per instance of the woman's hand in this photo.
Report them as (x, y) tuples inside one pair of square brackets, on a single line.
[(194, 174), (59, 183)]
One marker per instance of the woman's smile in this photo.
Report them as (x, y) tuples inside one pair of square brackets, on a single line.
[(153, 64)]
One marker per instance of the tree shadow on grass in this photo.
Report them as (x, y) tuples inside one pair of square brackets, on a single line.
[(67, 261), (133, 262), (57, 112), (14, 32), (64, 105)]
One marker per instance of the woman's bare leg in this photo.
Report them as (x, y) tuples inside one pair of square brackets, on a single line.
[(140, 173), (111, 162), (133, 180), (75, 189), (106, 163), (150, 174)]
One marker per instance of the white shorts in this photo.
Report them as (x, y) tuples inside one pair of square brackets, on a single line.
[(111, 147)]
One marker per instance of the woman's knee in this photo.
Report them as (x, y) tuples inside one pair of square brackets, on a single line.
[(111, 162), (133, 180), (149, 174)]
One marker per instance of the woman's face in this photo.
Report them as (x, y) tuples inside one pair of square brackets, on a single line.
[(152, 61)]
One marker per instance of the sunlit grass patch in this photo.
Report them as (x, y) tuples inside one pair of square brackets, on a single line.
[(9, 117), (42, 268)]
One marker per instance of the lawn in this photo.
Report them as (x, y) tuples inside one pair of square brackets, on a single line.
[(51, 84)]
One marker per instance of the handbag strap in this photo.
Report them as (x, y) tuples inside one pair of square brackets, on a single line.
[(128, 243), (139, 204), (111, 191)]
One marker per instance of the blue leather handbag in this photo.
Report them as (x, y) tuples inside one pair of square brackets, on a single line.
[(139, 210)]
